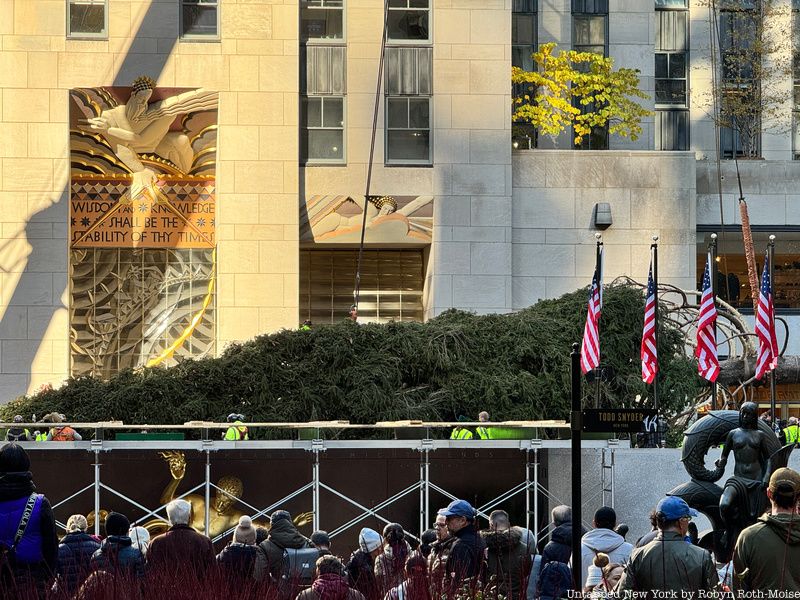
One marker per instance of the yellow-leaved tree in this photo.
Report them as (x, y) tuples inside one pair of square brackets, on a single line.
[(581, 90)]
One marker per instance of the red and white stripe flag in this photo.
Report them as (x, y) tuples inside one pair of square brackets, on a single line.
[(590, 349), (649, 349), (706, 350), (765, 326)]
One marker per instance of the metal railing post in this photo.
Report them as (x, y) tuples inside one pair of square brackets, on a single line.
[(207, 515), (536, 494), (612, 476), (317, 446), (527, 488), (97, 492)]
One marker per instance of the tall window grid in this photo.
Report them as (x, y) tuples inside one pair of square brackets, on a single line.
[(323, 82), (409, 95), (523, 45), (323, 106), (672, 75), (199, 19), (87, 18), (590, 34), (738, 30)]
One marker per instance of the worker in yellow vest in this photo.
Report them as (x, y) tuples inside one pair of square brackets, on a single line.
[(792, 432), (483, 432), (236, 432), (461, 433)]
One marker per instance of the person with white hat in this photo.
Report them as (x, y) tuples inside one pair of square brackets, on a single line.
[(361, 566)]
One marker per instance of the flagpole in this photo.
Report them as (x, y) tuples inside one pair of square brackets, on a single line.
[(654, 249), (712, 251), (772, 394), (598, 371)]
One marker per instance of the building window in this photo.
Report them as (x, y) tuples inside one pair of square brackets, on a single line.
[(322, 139), (390, 289), (590, 34), (672, 129), (408, 21), (200, 19), (321, 20), (408, 130), (672, 76), (87, 18), (408, 105), (523, 45)]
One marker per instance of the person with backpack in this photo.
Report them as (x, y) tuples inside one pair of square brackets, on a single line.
[(18, 434), (28, 542), (330, 582), (555, 581), (286, 558), (74, 555)]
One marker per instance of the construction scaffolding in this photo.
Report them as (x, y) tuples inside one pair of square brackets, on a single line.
[(214, 452)]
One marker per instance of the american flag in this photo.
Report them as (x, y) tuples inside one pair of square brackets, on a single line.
[(765, 326), (649, 349), (590, 349), (706, 350)]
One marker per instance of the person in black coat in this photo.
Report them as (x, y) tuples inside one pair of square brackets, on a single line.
[(467, 552), (117, 554), (237, 559), (74, 556)]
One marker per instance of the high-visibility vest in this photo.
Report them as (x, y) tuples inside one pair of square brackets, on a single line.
[(482, 432), (41, 437), (63, 434), (236, 433), (792, 432), (459, 433)]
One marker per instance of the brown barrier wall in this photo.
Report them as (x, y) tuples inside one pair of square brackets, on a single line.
[(366, 476)]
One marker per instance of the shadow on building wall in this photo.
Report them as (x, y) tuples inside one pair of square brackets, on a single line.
[(41, 290)]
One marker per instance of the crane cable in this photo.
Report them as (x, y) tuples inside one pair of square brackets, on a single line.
[(357, 286)]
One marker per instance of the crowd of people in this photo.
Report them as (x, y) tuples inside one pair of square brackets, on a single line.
[(455, 559)]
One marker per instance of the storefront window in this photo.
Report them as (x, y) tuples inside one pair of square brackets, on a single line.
[(732, 282)]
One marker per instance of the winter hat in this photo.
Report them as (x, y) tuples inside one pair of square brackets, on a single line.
[(245, 533), (321, 538), (14, 459), (369, 539), (117, 524), (279, 515), (77, 523)]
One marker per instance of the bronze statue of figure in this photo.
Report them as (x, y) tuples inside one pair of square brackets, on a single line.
[(744, 494), (742, 499)]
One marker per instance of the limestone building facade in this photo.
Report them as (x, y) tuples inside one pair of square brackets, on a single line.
[(464, 212)]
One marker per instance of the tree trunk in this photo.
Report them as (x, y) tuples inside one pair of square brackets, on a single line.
[(736, 370)]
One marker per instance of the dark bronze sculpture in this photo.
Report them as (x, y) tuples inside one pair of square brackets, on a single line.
[(757, 453)]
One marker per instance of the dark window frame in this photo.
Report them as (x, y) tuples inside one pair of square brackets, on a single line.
[(185, 36), (87, 35)]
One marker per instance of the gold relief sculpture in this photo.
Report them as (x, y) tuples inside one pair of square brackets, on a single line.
[(223, 515), (339, 219), (142, 226)]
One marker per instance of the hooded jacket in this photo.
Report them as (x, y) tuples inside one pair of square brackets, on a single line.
[(508, 562), (361, 574), (602, 540), (668, 563), (269, 556), (330, 587), (236, 561), (770, 552)]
